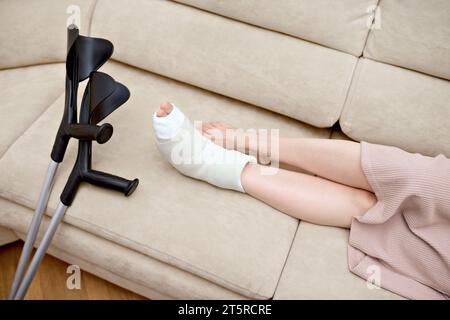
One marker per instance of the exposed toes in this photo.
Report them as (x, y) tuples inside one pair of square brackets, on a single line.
[(164, 109)]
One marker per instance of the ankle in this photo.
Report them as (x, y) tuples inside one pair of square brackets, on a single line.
[(247, 176), (256, 145)]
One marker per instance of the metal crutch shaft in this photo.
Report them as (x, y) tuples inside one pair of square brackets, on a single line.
[(41, 250), (34, 228)]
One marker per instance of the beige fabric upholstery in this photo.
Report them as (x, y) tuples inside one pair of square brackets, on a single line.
[(7, 236), (127, 268), (24, 94), (414, 34), (34, 32), (338, 134), (393, 106), (341, 25), (170, 217), (287, 75), (123, 282), (181, 238), (317, 268)]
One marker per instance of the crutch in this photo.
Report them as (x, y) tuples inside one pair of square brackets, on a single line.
[(102, 96), (85, 55)]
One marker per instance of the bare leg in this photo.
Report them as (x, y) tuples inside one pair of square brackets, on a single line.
[(336, 160), (306, 197)]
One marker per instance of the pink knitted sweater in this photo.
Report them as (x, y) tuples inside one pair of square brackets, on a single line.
[(403, 242)]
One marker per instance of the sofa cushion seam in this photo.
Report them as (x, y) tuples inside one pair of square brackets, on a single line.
[(287, 258), (363, 52), (347, 88), (94, 7), (347, 113)]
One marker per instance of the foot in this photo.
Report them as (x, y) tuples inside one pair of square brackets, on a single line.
[(193, 154), (222, 134), (232, 138)]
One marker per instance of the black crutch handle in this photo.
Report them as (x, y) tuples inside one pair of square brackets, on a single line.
[(106, 180), (91, 132), (97, 178), (88, 132)]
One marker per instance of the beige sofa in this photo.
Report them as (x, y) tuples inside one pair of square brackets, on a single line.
[(300, 66)]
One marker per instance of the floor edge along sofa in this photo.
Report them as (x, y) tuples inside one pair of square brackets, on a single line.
[(367, 70)]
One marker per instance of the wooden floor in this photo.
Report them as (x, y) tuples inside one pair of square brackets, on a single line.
[(50, 281)]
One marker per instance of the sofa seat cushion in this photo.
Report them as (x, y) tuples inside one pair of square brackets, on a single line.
[(413, 34), (290, 76), (24, 94), (317, 267), (223, 236), (7, 236), (118, 264), (394, 106), (341, 25), (34, 32)]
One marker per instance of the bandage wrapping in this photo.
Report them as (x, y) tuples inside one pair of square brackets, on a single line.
[(196, 156)]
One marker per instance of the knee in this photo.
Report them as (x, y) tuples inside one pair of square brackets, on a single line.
[(364, 200)]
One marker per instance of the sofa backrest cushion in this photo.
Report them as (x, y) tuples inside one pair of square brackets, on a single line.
[(394, 106), (281, 73), (414, 34), (34, 32), (341, 25)]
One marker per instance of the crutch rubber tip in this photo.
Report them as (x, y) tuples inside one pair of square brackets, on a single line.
[(132, 186)]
